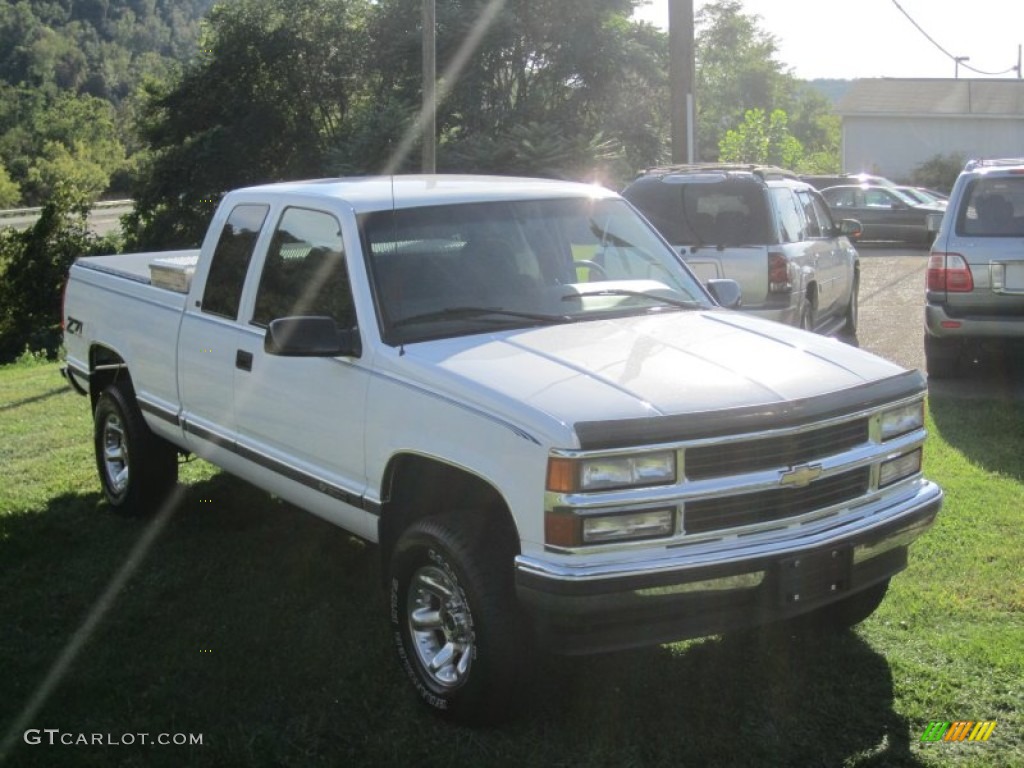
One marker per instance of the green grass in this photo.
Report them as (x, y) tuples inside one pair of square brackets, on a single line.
[(264, 629)]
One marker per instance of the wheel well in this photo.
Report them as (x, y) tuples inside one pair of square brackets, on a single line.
[(105, 368), (416, 487)]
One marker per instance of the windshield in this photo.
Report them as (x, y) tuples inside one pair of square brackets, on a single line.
[(454, 270)]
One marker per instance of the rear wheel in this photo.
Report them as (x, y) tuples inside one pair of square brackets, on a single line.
[(807, 317), (455, 621), (137, 469), (853, 310)]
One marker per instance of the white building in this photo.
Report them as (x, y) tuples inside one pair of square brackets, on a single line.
[(890, 126)]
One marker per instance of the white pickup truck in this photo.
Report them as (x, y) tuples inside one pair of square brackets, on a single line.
[(517, 389)]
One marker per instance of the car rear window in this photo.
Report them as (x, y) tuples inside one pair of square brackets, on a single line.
[(728, 212), (992, 207)]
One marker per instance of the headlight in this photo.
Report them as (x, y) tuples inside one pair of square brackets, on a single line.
[(609, 472), (896, 469), (565, 529), (900, 421)]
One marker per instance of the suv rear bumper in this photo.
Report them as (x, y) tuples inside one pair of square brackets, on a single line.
[(941, 324), (586, 609)]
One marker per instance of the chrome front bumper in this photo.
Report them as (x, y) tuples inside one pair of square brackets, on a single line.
[(693, 591)]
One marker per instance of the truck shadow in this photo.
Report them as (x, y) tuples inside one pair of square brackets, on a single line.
[(753, 698), (981, 413), (265, 629)]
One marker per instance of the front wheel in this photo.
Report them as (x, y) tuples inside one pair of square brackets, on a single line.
[(137, 469), (455, 621)]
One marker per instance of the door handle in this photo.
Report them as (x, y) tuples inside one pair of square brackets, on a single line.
[(243, 360)]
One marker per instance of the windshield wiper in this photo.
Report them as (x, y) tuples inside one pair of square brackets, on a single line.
[(458, 313), (682, 303)]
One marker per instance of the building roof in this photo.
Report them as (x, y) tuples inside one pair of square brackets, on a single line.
[(929, 97)]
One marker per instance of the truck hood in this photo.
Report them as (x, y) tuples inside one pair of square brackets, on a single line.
[(671, 363)]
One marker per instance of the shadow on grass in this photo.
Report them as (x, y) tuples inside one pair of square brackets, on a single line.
[(264, 630), (981, 413), (35, 399)]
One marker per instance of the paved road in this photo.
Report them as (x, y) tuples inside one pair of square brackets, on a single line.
[(103, 220), (892, 324)]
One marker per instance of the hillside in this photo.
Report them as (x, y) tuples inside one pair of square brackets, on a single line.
[(70, 76)]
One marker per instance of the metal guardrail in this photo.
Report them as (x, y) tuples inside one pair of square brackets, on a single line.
[(13, 213)]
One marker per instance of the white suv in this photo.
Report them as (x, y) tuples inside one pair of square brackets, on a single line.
[(975, 293)]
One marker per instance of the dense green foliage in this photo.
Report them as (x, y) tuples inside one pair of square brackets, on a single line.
[(33, 266), (939, 171), (738, 70), (70, 74), (289, 89)]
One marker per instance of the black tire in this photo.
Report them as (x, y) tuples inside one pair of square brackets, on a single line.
[(807, 317), (853, 310), (453, 604), (137, 469), (844, 614), (942, 357)]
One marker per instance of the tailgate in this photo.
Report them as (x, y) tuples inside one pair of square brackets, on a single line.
[(746, 264)]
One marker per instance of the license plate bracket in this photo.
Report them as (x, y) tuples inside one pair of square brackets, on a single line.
[(806, 578)]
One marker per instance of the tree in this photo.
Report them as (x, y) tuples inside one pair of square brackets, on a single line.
[(265, 102), (738, 71), (763, 139), (575, 69), (316, 87), (34, 264), (939, 171), (10, 192)]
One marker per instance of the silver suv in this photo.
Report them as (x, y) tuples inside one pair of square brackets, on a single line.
[(764, 228), (975, 293)]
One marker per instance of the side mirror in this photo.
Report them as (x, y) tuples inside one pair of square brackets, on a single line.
[(727, 293), (851, 228), (310, 337)]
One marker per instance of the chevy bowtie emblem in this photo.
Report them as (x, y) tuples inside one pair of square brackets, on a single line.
[(800, 477)]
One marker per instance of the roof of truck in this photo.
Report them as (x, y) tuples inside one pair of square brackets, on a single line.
[(375, 193)]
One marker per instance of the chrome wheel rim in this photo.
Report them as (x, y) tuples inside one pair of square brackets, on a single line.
[(441, 626), (115, 454)]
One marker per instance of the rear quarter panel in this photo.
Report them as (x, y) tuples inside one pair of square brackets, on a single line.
[(131, 318)]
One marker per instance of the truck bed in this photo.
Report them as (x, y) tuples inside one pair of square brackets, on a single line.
[(134, 266)]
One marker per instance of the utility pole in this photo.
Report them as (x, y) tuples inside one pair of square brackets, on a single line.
[(429, 142), (957, 60), (681, 77)]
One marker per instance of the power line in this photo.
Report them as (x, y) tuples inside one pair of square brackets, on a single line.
[(958, 60)]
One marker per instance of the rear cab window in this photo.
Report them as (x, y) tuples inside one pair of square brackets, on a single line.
[(229, 264), (992, 206)]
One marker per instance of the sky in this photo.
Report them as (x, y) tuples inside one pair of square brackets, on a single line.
[(872, 38)]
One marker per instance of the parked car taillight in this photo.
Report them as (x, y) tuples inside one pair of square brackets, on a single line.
[(949, 272), (778, 273)]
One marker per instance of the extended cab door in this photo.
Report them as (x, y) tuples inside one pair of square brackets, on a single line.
[(208, 339), (302, 418)]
